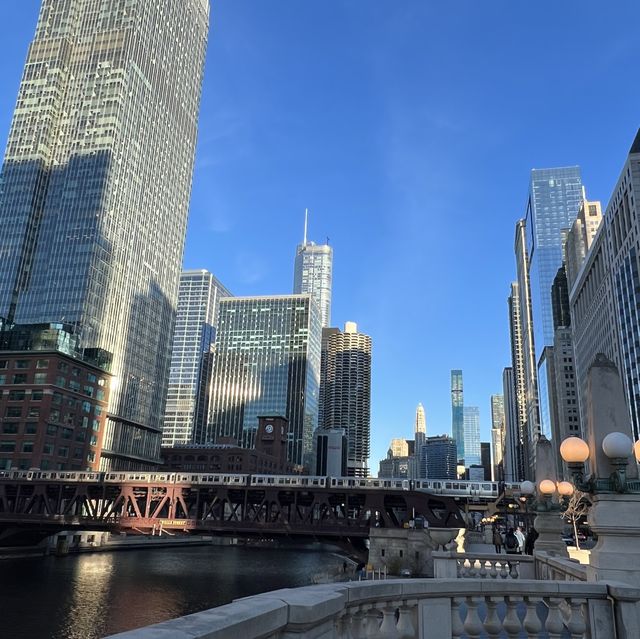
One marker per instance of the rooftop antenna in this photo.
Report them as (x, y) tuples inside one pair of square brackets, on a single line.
[(306, 220)]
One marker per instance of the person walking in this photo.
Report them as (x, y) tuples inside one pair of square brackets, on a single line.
[(497, 540), (521, 539), (511, 544)]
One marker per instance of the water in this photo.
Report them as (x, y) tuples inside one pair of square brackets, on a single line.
[(93, 595)]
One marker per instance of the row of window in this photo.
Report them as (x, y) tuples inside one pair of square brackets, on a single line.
[(47, 449)]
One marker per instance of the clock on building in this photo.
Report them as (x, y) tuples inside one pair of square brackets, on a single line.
[(268, 428)]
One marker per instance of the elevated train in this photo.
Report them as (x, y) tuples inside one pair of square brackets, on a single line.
[(452, 488)]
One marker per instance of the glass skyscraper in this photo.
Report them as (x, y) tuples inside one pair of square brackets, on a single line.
[(192, 357), (95, 193), (313, 274), (472, 455), (266, 363), (457, 411), (555, 196)]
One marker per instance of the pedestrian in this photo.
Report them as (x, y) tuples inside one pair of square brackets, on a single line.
[(344, 567), (511, 544), (497, 540), (520, 537), (530, 541)]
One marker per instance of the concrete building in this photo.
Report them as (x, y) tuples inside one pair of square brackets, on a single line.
[(313, 274), (267, 362), (188, 396), (580, 237), (96, 183), (438, 458), (396, 467), (347, 393), (398, 447), (457, 412), (53, 402), (472, 454), (513, 462), (420, 427), (331, 452), (497, 436)]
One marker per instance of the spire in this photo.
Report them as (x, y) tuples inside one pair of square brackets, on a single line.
[(306, 221)]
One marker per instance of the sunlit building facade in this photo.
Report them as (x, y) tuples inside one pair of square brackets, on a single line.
[(457, 411), (188, 395), (471, 417), (96, 183), (266, 362)]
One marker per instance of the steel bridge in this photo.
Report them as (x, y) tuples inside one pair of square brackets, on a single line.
[(44, 507)]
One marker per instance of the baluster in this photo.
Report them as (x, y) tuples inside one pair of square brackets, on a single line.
[(472, 624), (511, 622), (483, 569), (357, 623), (388, 627), (531, 622), (472, 568), (492, 623), (457, 627), (576, 625), (405, 626), (371, 621), (460, 568), (554, 624), (513, 572), (493, 572), (504, 571)]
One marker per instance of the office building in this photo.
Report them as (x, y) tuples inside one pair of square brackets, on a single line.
[(512, 462), (399, 447), (580, 238), (331, 452), (497, 436), (347, 394), (54, 398), (313, 274), (420, 427), (96, 184), (485, 460), (401, 467), (471, 417), (188, 396), (267, 362), (438, 458), (457, 412)]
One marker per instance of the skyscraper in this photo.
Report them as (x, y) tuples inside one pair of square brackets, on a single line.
[(347, 395), (188, 396), (96, 184), (313, 274), (266, 363), (438, 458), (497, 435), (457, 412), (471, 436), (513, 462), (420, 429)]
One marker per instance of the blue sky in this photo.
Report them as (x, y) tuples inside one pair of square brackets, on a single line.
[(408, 128)]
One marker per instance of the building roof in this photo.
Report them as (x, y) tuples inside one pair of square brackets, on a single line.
[(635, 147)]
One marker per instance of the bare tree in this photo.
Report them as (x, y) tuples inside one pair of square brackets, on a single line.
[(577, 508)]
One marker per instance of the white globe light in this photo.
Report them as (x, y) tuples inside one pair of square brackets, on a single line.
[(574, 450), (527, 488), (565, 488), (547, 487), (617, 445)]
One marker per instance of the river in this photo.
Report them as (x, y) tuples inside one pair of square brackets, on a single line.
[(90, 596)]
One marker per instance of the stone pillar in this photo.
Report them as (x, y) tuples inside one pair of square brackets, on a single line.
[(616, 521), (549, 527)]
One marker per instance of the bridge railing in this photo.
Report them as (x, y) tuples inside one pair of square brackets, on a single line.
[(559, 568), (418, 609), (451, 565)]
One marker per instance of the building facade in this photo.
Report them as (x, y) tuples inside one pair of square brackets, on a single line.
[(99, 158), (347, 394), (513, 462), (471, 415), (438, 458), (420, 427), (267, 362), (457, 411), (580, 238), (313, 273), (399, 447), (331, 452), (497, 436), (188, 395)]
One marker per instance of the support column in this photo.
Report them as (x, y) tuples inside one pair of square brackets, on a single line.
[(549, 527)]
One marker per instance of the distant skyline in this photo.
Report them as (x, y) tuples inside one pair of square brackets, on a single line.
[(409, 130)]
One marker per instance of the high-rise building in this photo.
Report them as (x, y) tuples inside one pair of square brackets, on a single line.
[(555, 196), (497, 435), (457, 412), (580, 238), (313, 274), (399, 447), (331, 452), (187, 410), (438, 458), (513, 461), (266, 362), (471, 417), (420, 427), (347, 393), (485, 459), (96, 184)]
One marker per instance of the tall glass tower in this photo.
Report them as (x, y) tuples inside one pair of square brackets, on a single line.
[(192, 357), (267, 363), (457, 411), (472, 456), (96, 183), (313, 274)]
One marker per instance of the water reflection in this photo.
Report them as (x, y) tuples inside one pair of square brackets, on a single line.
[(91, 596)]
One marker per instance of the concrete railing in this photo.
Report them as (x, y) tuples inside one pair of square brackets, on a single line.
[(558, 568), (418, 609), (449, 565)]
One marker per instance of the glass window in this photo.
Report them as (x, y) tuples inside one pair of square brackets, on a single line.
[(34, 411), (86, 407), (27, 447), (61, 381), (52, 429), (47, 449), (67, 433), (54, 415), (91, 378), (63, 451), (22, 363), (40, 378), (63, 366), (74, 386), (91, 457), (3, 379), (100, 395), (80, 436), (16, 395), (10, 428), (13, 411), (78, 452), (57, 398), (36, 395), (88, 391), (3, 363), (20, 378), (95, 425), (7, 447), (42, 363), (75, 371), (31, 428)]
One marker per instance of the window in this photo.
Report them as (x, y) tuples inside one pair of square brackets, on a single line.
[(80, 436), (75, 371), (44, 464), (47, 449), (88, 391), (22, 363), (42, 363), (13, 411), (95, 425), (52, 429), (63, 451), (97, 410), (7, 447), (20, 378), (67, 433), (91, 378), (86, 407), (34, 411), (36, 395), (102, 382), (10, 428), (60, 381), (3, 364), (27, 447), (40, 378), (3, 379), (54, 415), (16, 395), (74, 386), (31, 428), (57, 398), (93, 441), (78, 452), (63, 366), (91, 457), (100, 395)]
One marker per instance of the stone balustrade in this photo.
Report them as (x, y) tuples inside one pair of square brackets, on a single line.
[(449, 565), (419, 609), (558, 568)]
